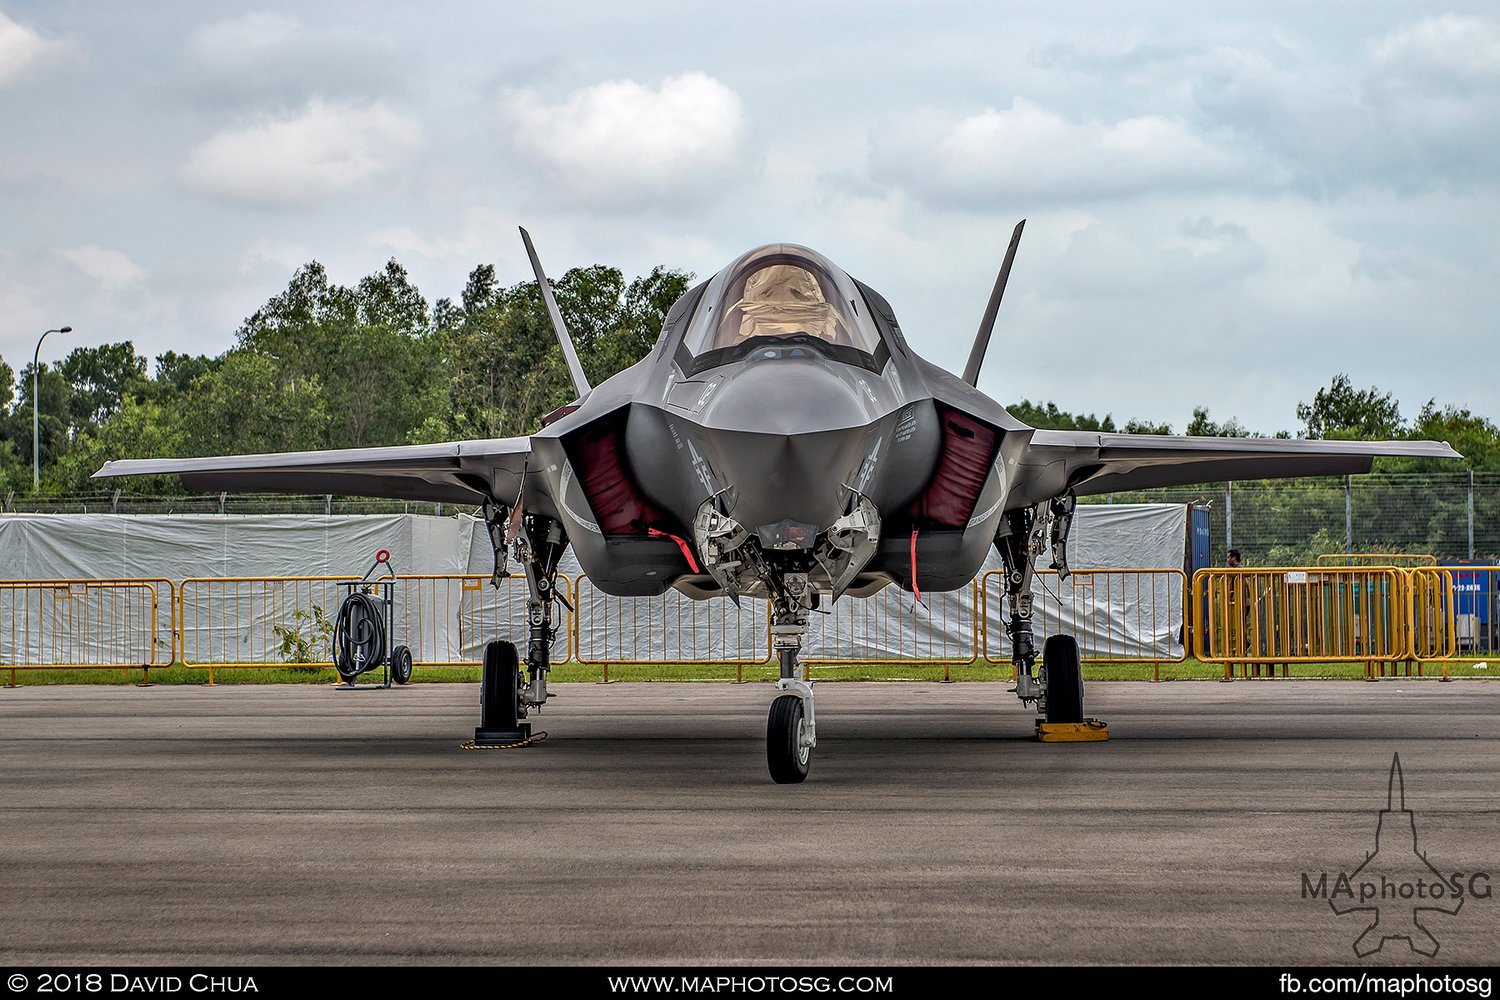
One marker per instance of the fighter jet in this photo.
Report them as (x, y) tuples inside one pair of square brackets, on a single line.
[(781, 442)]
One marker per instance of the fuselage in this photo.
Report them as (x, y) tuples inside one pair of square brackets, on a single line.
[(780, 423)]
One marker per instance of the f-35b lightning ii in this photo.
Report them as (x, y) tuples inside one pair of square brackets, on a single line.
[(781, 442)]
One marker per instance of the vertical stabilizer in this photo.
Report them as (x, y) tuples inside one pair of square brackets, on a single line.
[(580, 381), (987, 324)]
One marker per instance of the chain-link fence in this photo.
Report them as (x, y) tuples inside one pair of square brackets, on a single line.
[(1277, 522), (222, 503), (1290, 522)]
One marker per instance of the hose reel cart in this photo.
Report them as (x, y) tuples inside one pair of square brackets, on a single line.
[(365, 626)]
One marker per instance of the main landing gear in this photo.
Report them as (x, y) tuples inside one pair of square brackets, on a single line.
[(506, 696), (1057, 686)]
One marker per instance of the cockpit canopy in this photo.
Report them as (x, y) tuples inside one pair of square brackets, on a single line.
[(782, 296)]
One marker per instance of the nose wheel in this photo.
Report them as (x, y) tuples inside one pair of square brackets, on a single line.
[(791, 732), (788, 740)]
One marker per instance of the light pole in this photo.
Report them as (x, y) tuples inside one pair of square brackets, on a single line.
[(36, 404)]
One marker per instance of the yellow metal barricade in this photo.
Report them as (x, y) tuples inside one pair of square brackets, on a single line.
[(248, 622), (1433, 616), (1401, 560), (1261, 618), (667, 628), (1117, 615), (891, 627), (447, 620), (257, 621), (85, 624), (1476, 599)]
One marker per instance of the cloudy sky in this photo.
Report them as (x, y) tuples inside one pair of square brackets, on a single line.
[(1226, 203)]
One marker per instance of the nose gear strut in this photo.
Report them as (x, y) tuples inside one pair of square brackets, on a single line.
[(791, 732)]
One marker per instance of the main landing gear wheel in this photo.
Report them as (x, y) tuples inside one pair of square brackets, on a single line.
[(786, 750), (401, 664), (1064, 679), (500, 697)]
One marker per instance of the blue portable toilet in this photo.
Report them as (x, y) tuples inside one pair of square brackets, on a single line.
[(1198, 553), (1475, 602)]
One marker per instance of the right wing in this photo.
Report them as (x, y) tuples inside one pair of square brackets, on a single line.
[(452, 472), (1090, 462)]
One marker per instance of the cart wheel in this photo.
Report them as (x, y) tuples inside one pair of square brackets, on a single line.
[(400, 664)]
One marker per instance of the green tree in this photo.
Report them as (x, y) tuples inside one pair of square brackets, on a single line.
[(507, 368), (1146, 427), (1202, 426), (590, 300), (140, 428), (7, 388), (1047, 415), (1341, 411), (244, 407), (102, 378), (639, 320), (369, 349), (175, 373), (11, 470), (52, 422), (1474, 437)]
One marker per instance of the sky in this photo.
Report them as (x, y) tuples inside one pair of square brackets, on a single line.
[(1226, 204)]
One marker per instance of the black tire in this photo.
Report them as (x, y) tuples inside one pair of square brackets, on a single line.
[(500, 686), (401, 664), (1064, 679), (787, 758)]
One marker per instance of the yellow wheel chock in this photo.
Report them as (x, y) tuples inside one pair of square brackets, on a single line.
[(1087, 731)]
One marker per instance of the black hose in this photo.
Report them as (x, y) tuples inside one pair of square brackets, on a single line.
[(358, 635)]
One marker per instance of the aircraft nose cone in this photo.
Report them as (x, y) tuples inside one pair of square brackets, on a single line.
[(788, 437), (786, 397)]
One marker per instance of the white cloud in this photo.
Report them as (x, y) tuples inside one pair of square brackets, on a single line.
[(1028, 152), (482, 229), (241, 41), (279, 255), (1454, 52), (324, 151), (20, 48), (112, 269), (623, 145), (1435, 86), (1106, 259), (270, 55)]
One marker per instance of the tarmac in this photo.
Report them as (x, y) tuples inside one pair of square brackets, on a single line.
[(303, 825)]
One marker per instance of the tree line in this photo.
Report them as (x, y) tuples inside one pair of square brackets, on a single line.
[(323, 365)]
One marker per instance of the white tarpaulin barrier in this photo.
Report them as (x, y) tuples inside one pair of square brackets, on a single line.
[(177, 546), (1132, 621), (446, 620), (1139, 617), (222, 622)]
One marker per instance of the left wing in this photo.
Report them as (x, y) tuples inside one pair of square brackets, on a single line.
[(452, 472), (1089, 462)]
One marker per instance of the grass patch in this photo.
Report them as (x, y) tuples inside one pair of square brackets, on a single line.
[(1188, 670)]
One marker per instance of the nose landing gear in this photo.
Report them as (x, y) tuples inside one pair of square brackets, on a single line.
[(791, 732)]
